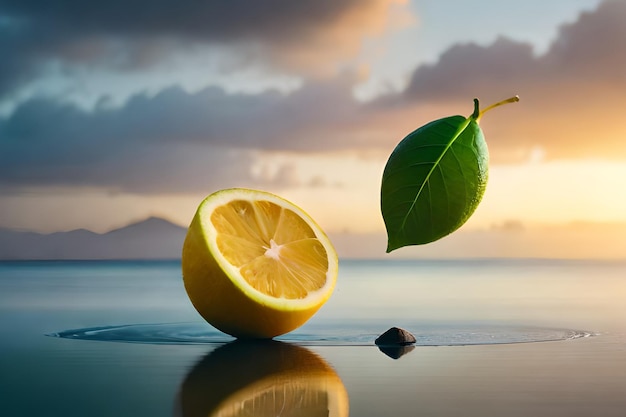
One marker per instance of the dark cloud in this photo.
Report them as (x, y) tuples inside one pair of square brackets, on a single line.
[(268, 120), (123, 35), (588, 51), (572, 106), (169, 138), (216, 20), (571, 95), (127, 168), (593, 46), (141, 168), (468, 69)]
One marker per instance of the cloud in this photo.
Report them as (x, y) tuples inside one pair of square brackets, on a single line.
[(173, 141), (571, 95), (467, 69), (172, 115), (587, 51), (571, 107), (213, 20), (592, 47), (123, 36)]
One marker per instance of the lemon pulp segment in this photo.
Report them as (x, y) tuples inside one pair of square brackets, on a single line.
[(275, 250)]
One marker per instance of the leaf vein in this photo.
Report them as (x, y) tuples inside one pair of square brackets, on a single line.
[(460, 130)]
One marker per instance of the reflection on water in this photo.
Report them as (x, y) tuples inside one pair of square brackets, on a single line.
[(443, 303), (262, 378), (395, 352)]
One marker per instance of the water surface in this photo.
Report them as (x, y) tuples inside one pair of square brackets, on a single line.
[(495, 337)]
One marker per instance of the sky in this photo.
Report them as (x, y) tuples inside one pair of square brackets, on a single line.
[(111, 112)]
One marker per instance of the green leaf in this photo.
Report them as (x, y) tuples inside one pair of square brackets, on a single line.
[(435, 179)]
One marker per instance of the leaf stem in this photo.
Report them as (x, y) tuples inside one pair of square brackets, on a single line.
[(479, 113)]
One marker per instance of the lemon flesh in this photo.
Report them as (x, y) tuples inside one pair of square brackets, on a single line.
[(256, 265)]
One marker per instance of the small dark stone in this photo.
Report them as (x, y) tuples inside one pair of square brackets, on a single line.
[(395, 337)]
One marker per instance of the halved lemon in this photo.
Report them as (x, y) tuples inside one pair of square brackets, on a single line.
[(255, 265)]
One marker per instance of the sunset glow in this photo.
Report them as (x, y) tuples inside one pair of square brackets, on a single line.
[(109, 125)]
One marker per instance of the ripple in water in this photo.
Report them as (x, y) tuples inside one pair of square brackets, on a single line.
[(200, 333)]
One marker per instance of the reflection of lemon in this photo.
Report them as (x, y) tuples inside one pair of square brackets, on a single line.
[(263, 379), (255, 265)]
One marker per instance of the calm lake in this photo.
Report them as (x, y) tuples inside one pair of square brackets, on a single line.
[(494, 338)]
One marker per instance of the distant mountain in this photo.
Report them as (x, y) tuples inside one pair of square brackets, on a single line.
[(156, 238), (153, 238)]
